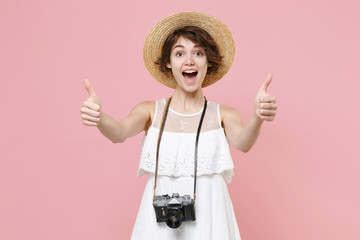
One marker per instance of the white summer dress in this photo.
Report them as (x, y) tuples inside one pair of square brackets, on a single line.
[(215, 218)]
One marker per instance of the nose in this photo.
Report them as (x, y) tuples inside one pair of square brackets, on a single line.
[(189, 61)]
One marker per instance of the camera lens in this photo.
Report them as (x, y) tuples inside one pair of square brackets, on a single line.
[(174, 218)]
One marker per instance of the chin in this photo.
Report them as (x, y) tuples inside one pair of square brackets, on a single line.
[(191, 88)]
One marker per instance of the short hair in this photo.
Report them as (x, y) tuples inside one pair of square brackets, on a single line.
[(196, 35)]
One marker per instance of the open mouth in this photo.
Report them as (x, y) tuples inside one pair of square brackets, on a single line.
[(189, 74)]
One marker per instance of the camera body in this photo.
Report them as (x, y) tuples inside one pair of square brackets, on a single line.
[(174, 210)]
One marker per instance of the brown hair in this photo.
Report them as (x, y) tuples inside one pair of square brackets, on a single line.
[(196, 35)]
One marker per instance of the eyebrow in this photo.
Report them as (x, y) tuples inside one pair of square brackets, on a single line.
[(181, 46)]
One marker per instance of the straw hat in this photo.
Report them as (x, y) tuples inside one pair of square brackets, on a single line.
[(158, 34)]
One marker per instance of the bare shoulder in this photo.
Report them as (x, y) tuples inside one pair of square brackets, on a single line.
[(145, 107), (141, 115), (227, 112)]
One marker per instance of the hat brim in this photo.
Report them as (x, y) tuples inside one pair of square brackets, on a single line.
[(158, 34)]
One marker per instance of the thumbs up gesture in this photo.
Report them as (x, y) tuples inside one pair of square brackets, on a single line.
[(90, 110), (265, 104)]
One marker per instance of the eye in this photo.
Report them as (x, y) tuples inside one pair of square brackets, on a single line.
[(179, 54), (198, 53)]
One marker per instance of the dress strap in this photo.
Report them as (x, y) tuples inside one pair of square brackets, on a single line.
[(218, 113), (155, 114)]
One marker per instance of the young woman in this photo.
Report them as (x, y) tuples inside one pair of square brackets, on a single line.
[(187, 52)]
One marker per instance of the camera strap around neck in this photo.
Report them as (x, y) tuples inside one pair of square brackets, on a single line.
[(166, 110)]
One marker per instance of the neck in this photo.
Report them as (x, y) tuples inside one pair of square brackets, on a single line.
[(187, 102)]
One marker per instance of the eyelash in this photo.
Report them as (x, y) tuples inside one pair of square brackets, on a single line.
[(197, 53)]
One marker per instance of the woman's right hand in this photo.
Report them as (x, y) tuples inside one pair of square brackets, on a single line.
[(91, 107)]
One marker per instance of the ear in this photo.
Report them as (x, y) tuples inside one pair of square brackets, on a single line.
[(168, 65), (209, 65)]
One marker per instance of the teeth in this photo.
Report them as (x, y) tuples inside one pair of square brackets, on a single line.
[(189, 71)]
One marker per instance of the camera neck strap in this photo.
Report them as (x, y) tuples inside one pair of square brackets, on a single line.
[(166, 110)]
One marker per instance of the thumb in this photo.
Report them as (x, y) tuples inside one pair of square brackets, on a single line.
[(266, 84), (89, 88)]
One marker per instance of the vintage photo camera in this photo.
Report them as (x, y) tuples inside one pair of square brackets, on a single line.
[(174, 210)]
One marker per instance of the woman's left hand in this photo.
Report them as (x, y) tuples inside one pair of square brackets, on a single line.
[(265, 104)]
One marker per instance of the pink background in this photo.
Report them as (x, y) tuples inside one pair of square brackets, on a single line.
[(62, 180)]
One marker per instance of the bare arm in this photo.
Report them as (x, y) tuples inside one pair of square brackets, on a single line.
[(240, 136), (244, 137), (139, 118)]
